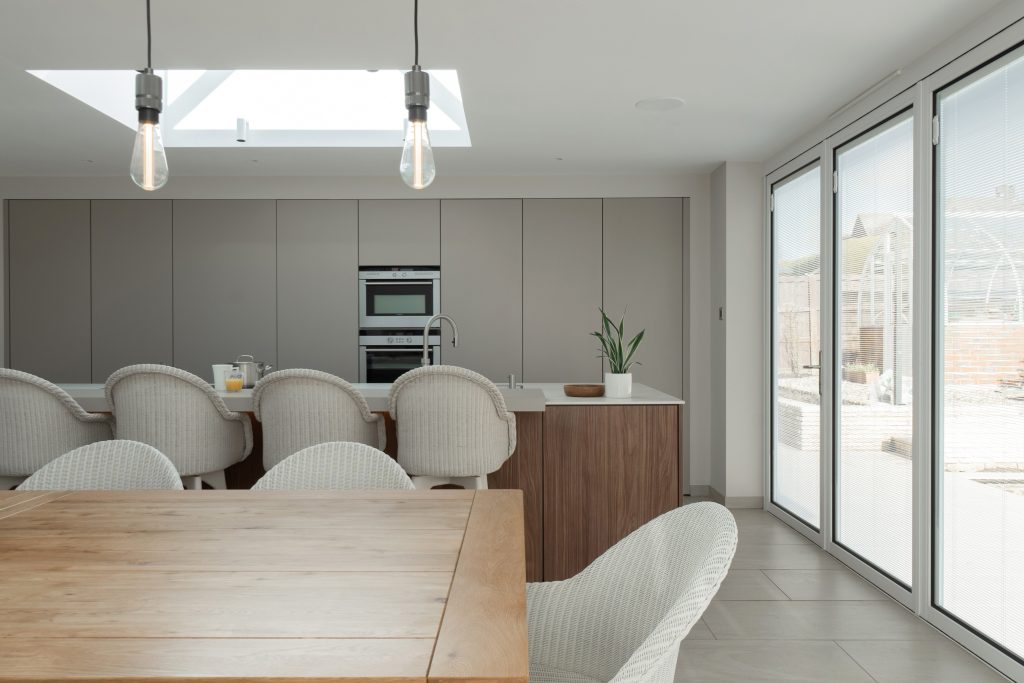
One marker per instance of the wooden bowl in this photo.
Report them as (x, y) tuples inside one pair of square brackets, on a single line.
[(583, 390)]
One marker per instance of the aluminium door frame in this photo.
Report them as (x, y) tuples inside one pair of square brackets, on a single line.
[(928, 442), (815, 156), (890, 113)]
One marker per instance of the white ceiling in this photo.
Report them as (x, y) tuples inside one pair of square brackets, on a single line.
[(540, 78)]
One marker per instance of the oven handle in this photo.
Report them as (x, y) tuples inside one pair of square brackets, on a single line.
[(399, 282)]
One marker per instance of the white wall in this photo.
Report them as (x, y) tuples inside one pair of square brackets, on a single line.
[(737, 342), (744, 319), (694, 186)]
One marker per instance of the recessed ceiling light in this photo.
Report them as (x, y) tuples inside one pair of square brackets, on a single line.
[(660, 103)]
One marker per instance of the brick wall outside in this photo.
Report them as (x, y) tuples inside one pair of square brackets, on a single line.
[(984, 354)]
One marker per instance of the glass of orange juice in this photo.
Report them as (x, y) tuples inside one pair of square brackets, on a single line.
[(234, 381)]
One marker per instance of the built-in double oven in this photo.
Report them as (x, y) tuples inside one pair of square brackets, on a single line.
[(395, 304)]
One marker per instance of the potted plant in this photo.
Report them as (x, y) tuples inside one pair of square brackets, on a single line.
[(861, 373), (618, 381)]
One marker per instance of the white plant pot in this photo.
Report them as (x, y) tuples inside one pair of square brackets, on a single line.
[(618, 386)]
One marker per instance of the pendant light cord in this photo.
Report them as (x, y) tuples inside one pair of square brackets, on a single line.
[(149, 39), (415, 31)]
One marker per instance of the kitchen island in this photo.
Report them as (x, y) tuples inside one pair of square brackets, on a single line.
[(591, 469)]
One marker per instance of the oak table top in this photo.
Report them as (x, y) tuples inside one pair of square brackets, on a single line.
[(270, 585)]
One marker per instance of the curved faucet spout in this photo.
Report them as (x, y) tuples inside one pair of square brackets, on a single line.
[(426, 336)]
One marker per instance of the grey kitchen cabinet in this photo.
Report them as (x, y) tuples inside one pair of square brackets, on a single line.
[(225, 289), (131, 284), (643, 276), (48, 269), (318, 285), (399, 232), (482, 284), (561, 289)]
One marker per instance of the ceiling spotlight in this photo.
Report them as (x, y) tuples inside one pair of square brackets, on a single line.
[(241, 130), (660, 103)]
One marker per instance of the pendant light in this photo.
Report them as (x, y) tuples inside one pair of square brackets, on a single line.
[(149, 161), (417, 168)]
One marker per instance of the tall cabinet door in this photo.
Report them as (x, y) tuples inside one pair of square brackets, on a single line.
[(131, 284), (399, 232), (561, 289), (482, 284), (224, 282), (49, 288), (643, 277), (317, 285)]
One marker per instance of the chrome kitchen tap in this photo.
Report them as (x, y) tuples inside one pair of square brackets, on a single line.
[(426, 336)]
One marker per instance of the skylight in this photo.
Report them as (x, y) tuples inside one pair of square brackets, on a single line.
[(284, 108)]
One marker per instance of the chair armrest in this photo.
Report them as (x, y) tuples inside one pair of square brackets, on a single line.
[(247, 438), (382, 432), (551, 613), (95, 417)]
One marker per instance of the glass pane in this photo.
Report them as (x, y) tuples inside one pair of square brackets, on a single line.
[(979, 544), (399, 304), (796, 451), (875, 244)]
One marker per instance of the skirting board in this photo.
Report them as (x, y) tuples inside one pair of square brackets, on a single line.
[(744, 502), (700, 490)]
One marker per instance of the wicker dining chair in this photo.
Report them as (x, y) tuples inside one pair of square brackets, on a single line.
[(452, 426), (39, 421), (624, 617), (302, 408), (338, 465), (107, 466), (181, 416)]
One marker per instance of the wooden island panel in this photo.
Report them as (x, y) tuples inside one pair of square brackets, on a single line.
[(525, 471), (607, 471)]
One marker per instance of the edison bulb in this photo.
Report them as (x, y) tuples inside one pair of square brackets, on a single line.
[(417, 167), (149, 161)]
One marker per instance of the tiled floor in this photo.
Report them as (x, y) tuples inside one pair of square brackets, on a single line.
[(790, 612)]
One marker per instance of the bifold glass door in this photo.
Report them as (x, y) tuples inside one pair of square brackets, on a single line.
[(978, 546), (874, 267), (796, 330)]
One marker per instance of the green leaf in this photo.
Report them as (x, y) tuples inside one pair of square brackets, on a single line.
[(633, 344)]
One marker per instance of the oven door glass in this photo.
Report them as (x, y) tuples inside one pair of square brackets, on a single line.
[(400, 299), (388, 364)]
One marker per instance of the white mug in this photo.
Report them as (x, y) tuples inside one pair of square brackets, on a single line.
[(220, 373)]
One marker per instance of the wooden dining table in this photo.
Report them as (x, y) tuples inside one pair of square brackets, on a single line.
[(265, 585)]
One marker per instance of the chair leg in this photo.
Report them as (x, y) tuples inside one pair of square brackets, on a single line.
[(478, 483), (193, 483), (424, 482), (7, 483), (215, 479)]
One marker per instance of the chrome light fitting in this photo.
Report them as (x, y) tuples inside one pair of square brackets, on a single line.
[(149, 161), (417, 167)]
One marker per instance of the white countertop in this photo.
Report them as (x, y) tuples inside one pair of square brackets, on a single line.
[(529, 398), (554, 395)]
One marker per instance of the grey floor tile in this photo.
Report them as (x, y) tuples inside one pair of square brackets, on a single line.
[(823, 584), (767, 662), (770, 533), (811, 620), (938, 661), (700, 631), (805, 556), (748, 584)]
